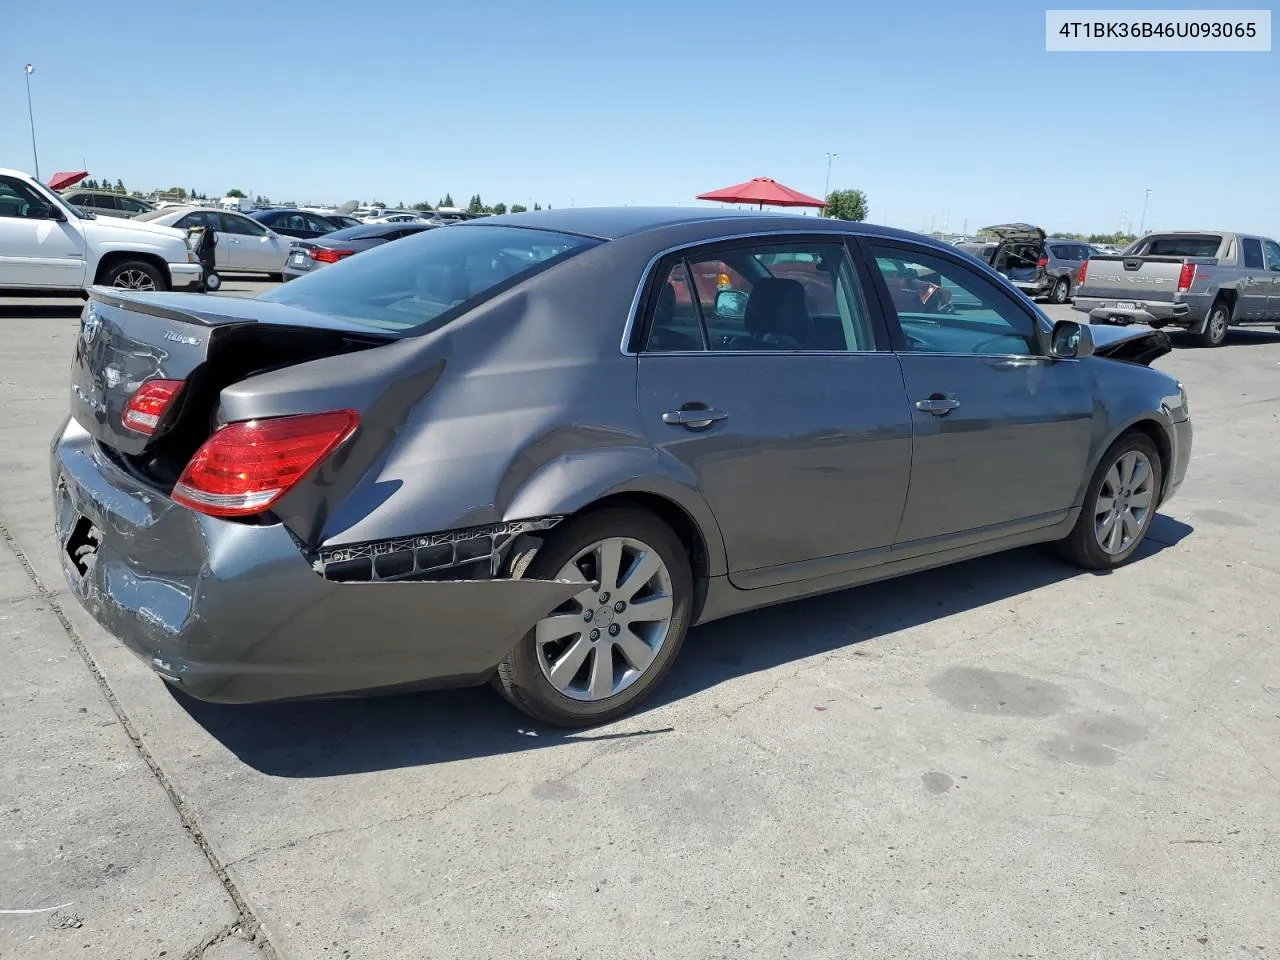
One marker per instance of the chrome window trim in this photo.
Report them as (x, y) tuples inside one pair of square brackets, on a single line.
[(840, 236), (1027, 358)]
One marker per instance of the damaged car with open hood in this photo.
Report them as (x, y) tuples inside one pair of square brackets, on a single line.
[(534, 450)]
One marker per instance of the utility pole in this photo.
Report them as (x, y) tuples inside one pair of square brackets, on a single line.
[(35, 157), (1143, 224), (826, 187)]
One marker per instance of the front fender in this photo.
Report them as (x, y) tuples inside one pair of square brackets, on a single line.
[(570, 482)]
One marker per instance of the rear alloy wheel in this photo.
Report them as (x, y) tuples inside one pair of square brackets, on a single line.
[(134, 275), (1215, 326), (1119, 505), (1061, 291), (594, 657)]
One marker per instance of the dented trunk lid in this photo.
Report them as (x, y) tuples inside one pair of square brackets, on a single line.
[(126, 339)]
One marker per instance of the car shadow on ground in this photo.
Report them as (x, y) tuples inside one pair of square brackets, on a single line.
[(337, 737), (1236, 337), (38, 311)]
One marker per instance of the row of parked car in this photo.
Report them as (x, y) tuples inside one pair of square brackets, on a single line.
[(1037, 265), (1200, 281)]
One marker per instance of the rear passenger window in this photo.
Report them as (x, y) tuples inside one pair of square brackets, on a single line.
[(782, 297), (676, 325), (1252, 253)]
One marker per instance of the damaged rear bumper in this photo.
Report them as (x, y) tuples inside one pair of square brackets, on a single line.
[(235, 613)]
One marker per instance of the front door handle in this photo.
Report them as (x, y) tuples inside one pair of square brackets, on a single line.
[(938, 404), (694, 417)]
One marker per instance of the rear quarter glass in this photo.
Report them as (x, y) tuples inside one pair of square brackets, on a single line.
[(404, 285)]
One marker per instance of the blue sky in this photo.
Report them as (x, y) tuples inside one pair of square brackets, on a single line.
[(938, 110)]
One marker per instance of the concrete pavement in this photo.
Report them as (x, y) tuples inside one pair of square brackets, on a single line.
[(1007, 757)]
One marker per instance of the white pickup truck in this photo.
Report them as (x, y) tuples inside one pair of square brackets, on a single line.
[(49, 246)]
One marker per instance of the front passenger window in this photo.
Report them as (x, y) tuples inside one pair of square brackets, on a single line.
[(20, 201), (1272, 250), (943, 307)]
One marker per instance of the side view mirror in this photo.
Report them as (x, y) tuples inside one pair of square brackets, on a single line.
[(731, 304), (1071, 340), (46, 211)]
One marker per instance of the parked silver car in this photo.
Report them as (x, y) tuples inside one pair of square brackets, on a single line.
[(1202, 281), (244, 244)]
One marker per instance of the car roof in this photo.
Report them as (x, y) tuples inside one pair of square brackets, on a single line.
[(613, 223)]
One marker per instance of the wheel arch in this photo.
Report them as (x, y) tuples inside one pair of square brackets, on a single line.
[(114, 257), (1158, 433), (642, 477)]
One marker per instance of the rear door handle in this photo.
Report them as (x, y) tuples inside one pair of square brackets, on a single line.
[(696, 417), (938, 405)]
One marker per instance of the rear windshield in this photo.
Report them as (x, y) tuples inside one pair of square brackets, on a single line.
[(402, 285), (1191, 246)]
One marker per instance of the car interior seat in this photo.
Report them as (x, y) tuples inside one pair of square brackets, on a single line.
[(777, 315)]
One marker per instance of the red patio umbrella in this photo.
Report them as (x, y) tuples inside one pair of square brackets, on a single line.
[(763, 190), (66, 178)]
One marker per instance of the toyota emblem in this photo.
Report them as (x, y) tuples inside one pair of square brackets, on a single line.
[(89, 328)]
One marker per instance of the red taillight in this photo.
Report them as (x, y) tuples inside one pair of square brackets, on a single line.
[(147, 405), (1186, 277), (1042, 262), (247, 466), (325, 255), (1084, 272)]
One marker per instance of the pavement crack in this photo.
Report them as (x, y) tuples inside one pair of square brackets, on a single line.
[(247, 925), (419, 814)]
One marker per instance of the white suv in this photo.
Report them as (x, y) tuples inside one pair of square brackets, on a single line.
[(47, 245)]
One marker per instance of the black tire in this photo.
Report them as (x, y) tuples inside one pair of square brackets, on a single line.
[(1214, 333), (1081, 546), (118, 275), (520, 678), (1061, 291)]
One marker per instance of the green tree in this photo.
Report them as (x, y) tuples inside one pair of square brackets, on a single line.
[(235, 192), (447, 201), (179, 193), (499, 208), (120, 187), (476, 205), (1119, 239), (192, 193), (423, 205), (846, 205), (537, 206), (519, 208)]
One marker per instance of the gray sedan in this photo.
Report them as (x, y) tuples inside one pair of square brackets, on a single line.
[(307, 256), (535, 449)]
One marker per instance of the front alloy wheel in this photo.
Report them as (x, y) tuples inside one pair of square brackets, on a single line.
[(594, 657), (1123, 505), (1119, 506)]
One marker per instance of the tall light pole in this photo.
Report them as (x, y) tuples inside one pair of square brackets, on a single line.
[(1142, 225), (28, 70), (826, 188)]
